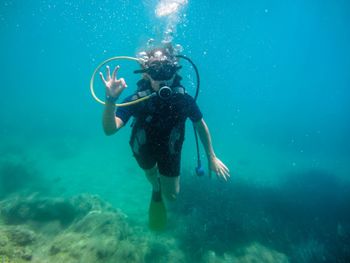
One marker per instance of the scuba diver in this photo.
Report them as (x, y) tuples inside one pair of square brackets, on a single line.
[(159, 125)]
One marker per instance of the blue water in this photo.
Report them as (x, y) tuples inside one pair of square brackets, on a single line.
[(274, 91)]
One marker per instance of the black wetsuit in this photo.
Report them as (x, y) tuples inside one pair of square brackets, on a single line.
[(159, 127)]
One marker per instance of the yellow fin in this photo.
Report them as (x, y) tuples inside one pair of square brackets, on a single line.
[(157, 216)]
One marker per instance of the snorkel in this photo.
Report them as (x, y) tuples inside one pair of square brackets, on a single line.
[(163, 91)]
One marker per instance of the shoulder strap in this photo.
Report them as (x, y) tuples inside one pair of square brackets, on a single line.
[(143, 89), (141, 94), (179, 90)]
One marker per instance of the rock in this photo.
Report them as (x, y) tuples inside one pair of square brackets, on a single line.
[(259, 253), (252, 253), (78, 229), (15, 242), (54, 249), (27, 254), (128, 252), (102, 223), (19, 210), (21, 236), (3, 239)]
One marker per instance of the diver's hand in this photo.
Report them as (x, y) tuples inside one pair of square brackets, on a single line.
[(114, 86), (220, 169)]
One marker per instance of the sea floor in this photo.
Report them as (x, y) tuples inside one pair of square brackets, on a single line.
[(103, 197)]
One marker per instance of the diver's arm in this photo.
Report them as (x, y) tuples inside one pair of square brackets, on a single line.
[(204, 135), (214, 163), (114, 87), (111, 123)]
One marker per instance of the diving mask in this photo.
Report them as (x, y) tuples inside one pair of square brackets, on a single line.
[(160, 70)]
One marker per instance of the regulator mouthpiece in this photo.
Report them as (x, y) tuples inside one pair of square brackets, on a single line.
[(165, 92)]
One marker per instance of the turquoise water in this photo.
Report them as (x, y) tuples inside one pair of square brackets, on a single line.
[(274, 92)]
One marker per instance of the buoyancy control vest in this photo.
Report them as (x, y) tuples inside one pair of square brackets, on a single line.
[(158, 121)]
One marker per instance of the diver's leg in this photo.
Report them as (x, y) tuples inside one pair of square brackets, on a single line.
[(157, 214), (169, 175), (170, 187), (152, 176)]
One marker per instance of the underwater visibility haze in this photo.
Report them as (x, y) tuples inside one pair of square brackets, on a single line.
[(274, 91)]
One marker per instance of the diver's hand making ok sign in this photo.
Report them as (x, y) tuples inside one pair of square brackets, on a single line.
[(114, 86)]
